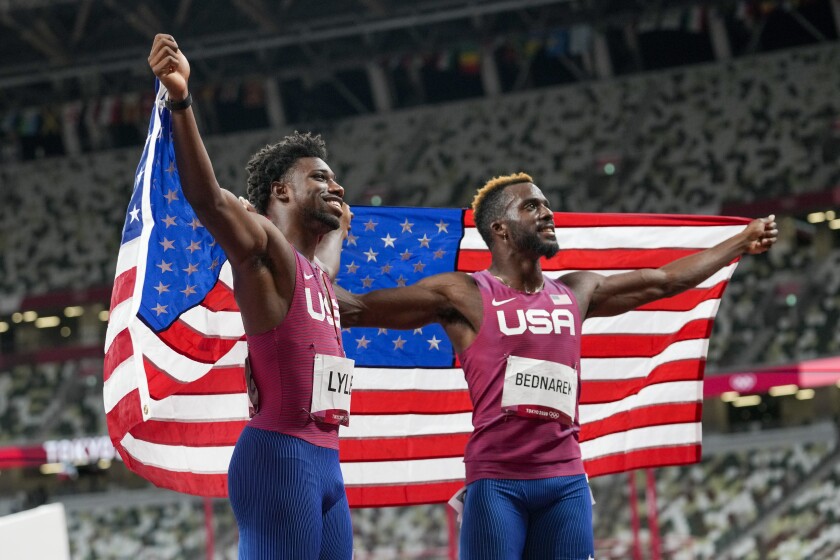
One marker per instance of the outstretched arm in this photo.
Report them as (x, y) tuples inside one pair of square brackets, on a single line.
[(451, 299), (612, 295), (409, 307), (220, 212)]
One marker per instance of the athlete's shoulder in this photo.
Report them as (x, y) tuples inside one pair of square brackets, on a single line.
[(581, 279), (455, 288)]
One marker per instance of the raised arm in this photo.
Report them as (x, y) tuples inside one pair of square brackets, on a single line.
[(328, 252), (241, 236), (606, 296)]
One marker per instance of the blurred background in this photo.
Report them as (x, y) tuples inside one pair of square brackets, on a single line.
[(714, 107)]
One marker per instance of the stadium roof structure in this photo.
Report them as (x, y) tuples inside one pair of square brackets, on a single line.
[(54, 49)]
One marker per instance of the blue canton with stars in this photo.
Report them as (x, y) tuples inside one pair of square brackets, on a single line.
[(390, 247), (183, 260)]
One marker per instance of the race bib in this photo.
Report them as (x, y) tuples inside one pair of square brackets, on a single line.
[(332, 382), (540, 389)]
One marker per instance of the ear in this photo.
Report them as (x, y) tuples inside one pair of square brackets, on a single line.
[(499, 230), (281, 191)]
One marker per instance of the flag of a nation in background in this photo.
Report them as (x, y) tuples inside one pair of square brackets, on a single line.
[(174, 390)]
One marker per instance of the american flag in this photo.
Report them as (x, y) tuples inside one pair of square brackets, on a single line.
[(174, 391)]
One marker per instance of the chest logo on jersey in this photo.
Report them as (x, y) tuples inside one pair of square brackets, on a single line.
[(537, 321), (323, 312)]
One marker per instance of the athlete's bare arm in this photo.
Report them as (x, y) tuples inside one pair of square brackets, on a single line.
[(606, 296), (262, 260), (328, 252), (219, 211), (451, 299)]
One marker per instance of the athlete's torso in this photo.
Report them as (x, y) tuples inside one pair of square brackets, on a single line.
[(282, 358), (542, 326)]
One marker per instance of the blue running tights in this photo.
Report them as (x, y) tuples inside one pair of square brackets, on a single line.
[(288, 498), (543, 519)]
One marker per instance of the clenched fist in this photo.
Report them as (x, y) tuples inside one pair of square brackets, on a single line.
[(170, 65), (761, 234)]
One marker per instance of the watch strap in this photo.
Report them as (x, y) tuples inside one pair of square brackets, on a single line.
[(178, 105)]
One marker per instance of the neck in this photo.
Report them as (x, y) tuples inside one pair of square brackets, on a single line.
[(303, 239), (518, 273), (305, 243)]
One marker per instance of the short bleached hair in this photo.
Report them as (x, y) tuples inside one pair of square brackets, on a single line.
[(487, 205)]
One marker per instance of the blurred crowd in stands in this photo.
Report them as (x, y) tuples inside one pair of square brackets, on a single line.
[(706, 509), (51, 400), (111, 115), (175, 529)]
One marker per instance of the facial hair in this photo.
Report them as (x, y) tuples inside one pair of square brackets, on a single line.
[(532, 241), (332, 222)]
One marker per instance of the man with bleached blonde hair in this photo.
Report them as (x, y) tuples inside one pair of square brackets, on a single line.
[(517, 334)]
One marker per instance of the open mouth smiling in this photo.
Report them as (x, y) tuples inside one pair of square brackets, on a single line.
[(334, 201)]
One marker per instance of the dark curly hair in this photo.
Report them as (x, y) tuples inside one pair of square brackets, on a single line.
[(274, 162)]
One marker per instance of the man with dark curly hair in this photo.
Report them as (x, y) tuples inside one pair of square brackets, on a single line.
[(284, 481), (517, 334)]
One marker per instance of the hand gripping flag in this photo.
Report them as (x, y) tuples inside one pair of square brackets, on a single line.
[(175, 395)]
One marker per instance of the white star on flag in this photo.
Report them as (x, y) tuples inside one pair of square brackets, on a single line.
[(389, 241), (371, 254)]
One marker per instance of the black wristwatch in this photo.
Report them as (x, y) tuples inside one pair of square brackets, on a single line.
[(177, 105)]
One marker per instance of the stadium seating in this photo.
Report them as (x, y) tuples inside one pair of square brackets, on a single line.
[(704, 508), (680, 141), (168, 526), (415, 532), (52, 400), (170, 531), (63, 238), (809, 526)]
